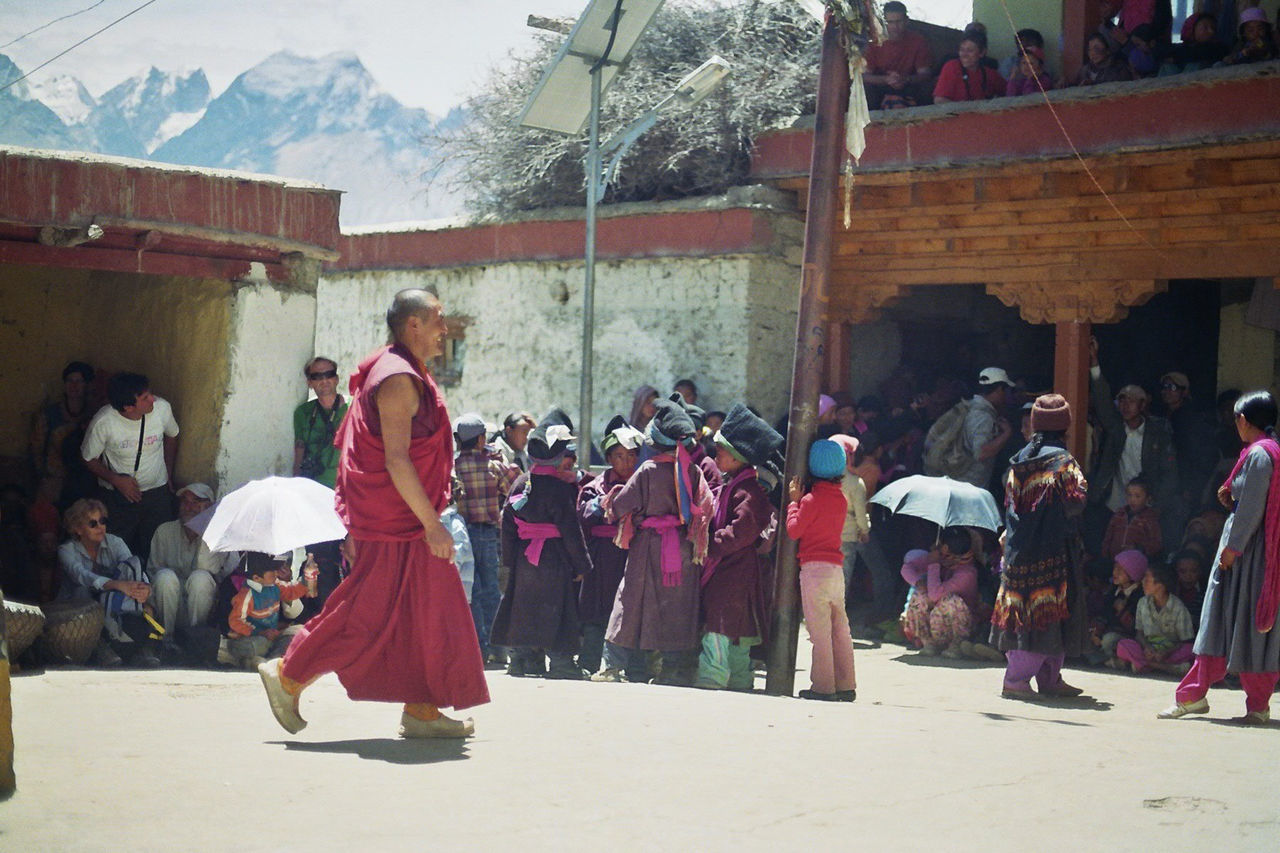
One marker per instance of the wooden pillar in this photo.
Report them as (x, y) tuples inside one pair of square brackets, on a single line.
[(1080, 19), (1071, 380), (820, 219), (837, 368)]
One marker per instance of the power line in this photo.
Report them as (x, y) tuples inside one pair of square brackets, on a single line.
[(51, 23), (77, 44)]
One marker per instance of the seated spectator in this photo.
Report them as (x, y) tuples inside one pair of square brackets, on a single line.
[(870, 407), (1116, 617), (1101, 65), (899, 69), (846, 413), (184, 573), (1163, 630), (56, 435), (979, 29), (1256, 42), (97, 565), (1028, 77), (1024, 39), (968, 78), (1156, 14), (255, 612), (1188, 565), (1202, 50), (944, 597), (1142, 52), (1135, 526)]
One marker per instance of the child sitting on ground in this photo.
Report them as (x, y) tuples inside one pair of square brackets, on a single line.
[(816, 519), (1163, 632), (255, 611), (1135, 525), (1117, 619), (945, 581), (1189, 568)]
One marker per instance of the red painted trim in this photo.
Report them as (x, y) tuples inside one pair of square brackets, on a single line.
[(679, 234), (130, 261), (45, 189), (1186, 115)]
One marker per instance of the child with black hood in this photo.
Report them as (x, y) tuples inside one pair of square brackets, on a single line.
[(662, 513), (742, 531), (545, 553)]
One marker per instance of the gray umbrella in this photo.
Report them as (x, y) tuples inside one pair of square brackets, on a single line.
[(942, 500)]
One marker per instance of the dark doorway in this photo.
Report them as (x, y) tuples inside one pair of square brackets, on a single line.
[(1176, 330)]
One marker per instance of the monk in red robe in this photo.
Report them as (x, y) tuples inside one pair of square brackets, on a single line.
[(398, 628)]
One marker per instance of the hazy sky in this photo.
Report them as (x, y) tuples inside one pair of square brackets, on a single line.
[(426, 53)]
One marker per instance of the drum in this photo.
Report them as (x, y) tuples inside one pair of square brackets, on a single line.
[(71, 630), (22, 623)]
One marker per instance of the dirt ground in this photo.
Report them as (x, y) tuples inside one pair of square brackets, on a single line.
[(928, 755)]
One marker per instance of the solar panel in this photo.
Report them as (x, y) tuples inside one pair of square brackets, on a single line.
[(561, 101)]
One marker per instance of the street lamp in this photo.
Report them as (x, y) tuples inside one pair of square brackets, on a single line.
[(691, 90), (596, 51)]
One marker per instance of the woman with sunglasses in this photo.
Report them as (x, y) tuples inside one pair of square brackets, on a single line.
[(95, 564)]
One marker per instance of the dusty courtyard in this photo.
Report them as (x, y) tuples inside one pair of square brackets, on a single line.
[(929, 755)]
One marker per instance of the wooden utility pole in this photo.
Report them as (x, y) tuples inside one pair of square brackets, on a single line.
[(820, 222)]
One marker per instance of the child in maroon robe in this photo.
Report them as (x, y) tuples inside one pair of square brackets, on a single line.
[(733, 618), (621, 445)]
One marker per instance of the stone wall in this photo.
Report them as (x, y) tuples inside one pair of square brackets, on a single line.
[(726, 322)]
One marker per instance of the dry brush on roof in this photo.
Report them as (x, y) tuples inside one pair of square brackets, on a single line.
[(772, 46)]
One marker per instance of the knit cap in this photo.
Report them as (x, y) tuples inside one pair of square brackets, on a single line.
[(826, 459), (1134, 564), (1050, 413)]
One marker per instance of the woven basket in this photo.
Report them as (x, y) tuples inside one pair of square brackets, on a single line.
[(71, 630), (22, 624)]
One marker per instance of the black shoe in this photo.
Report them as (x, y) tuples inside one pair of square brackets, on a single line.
[(567, 673), (145, 659), (846, 695), (821, 697)]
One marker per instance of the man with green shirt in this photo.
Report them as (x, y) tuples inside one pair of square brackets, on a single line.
[(315, 423)]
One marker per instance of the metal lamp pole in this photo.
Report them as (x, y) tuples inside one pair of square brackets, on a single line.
[(585, 430)]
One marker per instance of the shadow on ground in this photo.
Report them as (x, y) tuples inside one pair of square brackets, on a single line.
[(390, 750)]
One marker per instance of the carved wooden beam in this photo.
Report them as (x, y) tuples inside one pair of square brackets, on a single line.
[(1076, 301), (862, 303)]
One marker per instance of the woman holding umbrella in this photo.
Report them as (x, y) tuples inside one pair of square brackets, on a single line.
[(1039, 614)]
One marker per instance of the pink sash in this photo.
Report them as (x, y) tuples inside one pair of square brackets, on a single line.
[(667, 527), (537, 534)]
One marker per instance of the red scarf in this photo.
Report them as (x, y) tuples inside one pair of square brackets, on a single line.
[(1264, 617)]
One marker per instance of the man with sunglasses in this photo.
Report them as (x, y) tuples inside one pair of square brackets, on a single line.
[(316, 422), (1193, 435)]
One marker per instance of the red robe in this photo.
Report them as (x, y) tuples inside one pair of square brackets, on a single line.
[(398, 628)]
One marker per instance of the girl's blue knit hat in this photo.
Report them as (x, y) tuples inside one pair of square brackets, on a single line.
[(826, 459)]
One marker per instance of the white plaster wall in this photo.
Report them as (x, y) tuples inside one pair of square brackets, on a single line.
[(272, 333), (728, 323)]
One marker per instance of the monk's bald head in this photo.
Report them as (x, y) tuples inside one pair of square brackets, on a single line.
[(413, 302)]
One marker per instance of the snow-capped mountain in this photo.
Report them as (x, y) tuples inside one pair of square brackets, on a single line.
[(324, 120), (158, 106)]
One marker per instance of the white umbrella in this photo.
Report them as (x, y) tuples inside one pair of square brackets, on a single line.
[(273, 515), (942, 500)]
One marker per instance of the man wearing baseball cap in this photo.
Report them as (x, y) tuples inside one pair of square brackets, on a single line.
[(1133, 442), (184, 572), (986, 429)]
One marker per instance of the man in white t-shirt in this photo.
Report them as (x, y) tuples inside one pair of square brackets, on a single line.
[(130, 446)]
